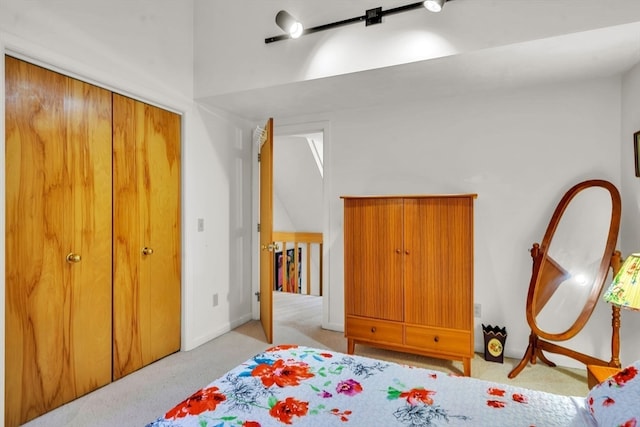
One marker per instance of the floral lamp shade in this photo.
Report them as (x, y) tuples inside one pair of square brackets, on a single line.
[(625, 288)]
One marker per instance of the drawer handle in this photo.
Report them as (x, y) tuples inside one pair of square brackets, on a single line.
[(373, 329), (436, 338)]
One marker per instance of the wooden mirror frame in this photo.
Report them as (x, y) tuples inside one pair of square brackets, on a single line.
[(539, 287)]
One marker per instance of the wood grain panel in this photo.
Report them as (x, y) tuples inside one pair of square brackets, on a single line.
[(127, 320), (58, 315), (373, 258), (439, 269), (89, 166), (162, 228), (146, 215)]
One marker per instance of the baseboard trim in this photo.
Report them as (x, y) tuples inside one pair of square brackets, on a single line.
[(223, 329)]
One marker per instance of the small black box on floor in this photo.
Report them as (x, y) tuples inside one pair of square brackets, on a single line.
[(494, 339)]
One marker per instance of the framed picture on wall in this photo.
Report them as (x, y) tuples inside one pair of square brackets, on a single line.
[(636, 151)]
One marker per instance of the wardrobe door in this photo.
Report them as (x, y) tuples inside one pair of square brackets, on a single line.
[(439, 277), (146, 234), (373, 257), (58, 240)]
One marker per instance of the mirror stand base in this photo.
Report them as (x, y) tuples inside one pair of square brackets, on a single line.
[(535, 351)]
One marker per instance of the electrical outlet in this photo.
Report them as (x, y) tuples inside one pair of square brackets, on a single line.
[(200, 224), (215, 300), (477, 310)]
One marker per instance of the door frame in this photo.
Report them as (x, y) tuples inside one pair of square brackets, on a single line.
[(280, 130)]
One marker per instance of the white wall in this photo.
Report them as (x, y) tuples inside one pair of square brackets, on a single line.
[(297, 184), (631, 184), (144, 49), (630, 230), (146, 45), (519, 150), (217, 188)]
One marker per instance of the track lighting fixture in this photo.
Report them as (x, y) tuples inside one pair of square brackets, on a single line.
[(294, 29), (289, 24)]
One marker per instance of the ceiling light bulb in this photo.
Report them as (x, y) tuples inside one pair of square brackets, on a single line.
[(434, 5), (289, 24), (296, 30)]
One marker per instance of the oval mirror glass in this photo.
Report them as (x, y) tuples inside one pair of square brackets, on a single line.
[(575, 255)]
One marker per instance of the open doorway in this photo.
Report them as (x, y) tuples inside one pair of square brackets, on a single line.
[(298, 221)]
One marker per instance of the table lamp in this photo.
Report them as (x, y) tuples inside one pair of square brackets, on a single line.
[(625, 289)]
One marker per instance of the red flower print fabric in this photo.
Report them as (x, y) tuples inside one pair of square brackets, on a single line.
[(418, 395), (290, 385), (282, 373), (203, 400), (285, 410)]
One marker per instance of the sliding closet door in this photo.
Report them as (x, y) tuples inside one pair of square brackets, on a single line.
[(58, 240), (146, 234)]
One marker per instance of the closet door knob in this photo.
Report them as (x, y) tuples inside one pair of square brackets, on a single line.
[(147, 251), (73, 258)]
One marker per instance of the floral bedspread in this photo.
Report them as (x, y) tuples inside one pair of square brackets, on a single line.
[(302, 386)]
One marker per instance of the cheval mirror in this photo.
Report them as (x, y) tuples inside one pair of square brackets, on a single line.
[(570, 267)]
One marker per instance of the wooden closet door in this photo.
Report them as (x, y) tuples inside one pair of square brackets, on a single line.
[(373, 256), (58, 202), (146, 234), (439, 269)]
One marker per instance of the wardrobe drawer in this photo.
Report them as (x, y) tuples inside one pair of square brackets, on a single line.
[(446, 341), (374, 330)]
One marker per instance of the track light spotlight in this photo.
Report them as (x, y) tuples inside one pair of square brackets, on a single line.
[(434, 5), (289, 24)]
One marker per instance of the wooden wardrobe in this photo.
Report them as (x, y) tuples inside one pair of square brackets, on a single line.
[(408, 265), (92, 238)]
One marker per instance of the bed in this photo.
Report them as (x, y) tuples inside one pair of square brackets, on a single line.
[(303, 386)]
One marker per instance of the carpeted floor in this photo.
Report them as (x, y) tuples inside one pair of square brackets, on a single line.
[(142, 396)]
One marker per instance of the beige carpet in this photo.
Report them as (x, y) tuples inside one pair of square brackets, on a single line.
[(146, 394)]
